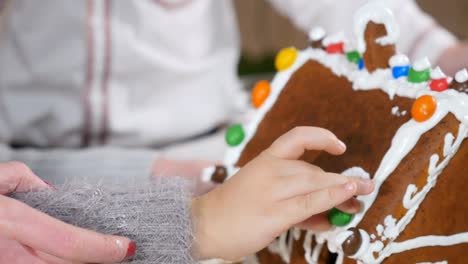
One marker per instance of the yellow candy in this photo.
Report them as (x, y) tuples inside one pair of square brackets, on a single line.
[(285, 58)]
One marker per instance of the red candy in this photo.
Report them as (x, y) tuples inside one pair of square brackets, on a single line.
[(439, 85), (337, 48)]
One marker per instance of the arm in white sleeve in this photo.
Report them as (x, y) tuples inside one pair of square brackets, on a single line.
[(93, 164), (420, 34)]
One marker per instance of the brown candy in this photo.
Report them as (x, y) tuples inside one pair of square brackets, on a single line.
[(317, 44), (353, 243), (219, 175), (461, 87)]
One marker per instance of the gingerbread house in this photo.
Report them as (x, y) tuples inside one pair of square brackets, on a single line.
[(405, 126)]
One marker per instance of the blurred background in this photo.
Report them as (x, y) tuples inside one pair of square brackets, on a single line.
[(265, 32)]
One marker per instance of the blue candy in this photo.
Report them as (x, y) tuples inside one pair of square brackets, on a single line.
[(400, 71), (361, 64)]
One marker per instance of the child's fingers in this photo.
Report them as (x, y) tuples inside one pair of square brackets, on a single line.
[(351, 206), (318, 222), (299, 208), (307, 182), (293, 144)]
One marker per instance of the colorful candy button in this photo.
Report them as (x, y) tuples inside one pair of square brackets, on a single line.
[(235, 135), (335, 48), (339, 218), (260, 93), (400, 71), (419, 76), (354, 57), (361, 64), (424, 108), (440, 82), (420, 72), (285, 58), (439, 85)]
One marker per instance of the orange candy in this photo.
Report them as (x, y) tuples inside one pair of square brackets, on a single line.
[(423, 108), (260, 93)]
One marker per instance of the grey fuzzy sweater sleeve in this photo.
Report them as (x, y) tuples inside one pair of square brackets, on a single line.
[(153, 213)]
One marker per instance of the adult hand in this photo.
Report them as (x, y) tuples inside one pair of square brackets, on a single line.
[(29, 236), (271, 194)]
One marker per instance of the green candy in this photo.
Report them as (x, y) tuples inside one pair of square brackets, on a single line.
[(235, 135), (339, 218), (419, 76), (353, 57)]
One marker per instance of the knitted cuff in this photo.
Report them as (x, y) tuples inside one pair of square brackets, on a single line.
[(155, 214)]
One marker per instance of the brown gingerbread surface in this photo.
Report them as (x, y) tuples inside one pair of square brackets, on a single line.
[(314, 96)]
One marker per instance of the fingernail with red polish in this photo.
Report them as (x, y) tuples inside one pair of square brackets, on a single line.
[(131, 250)]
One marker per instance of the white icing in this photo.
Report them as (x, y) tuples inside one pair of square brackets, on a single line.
[(438, 262), (422, 64), (207, 173), (283, 246), (378, 13), (399, 60), (317, 33), (437, 74), (462, 76), (364, 246), (334, 39), (391, 230), (396, 111), (425, 241), (311, 256)]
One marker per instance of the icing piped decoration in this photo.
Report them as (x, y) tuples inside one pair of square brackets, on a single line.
[(440, 82), (423, 108), (422, 64), (399, 60), (260, 93), (400, 65), (437, 74), (285, 58), (420, 72), (235, 135), (461, 81), (316, 34), (339, 218), (378, 13), (462, 76)]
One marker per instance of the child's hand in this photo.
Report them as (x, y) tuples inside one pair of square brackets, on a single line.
[(189, 169), (271, 194)]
